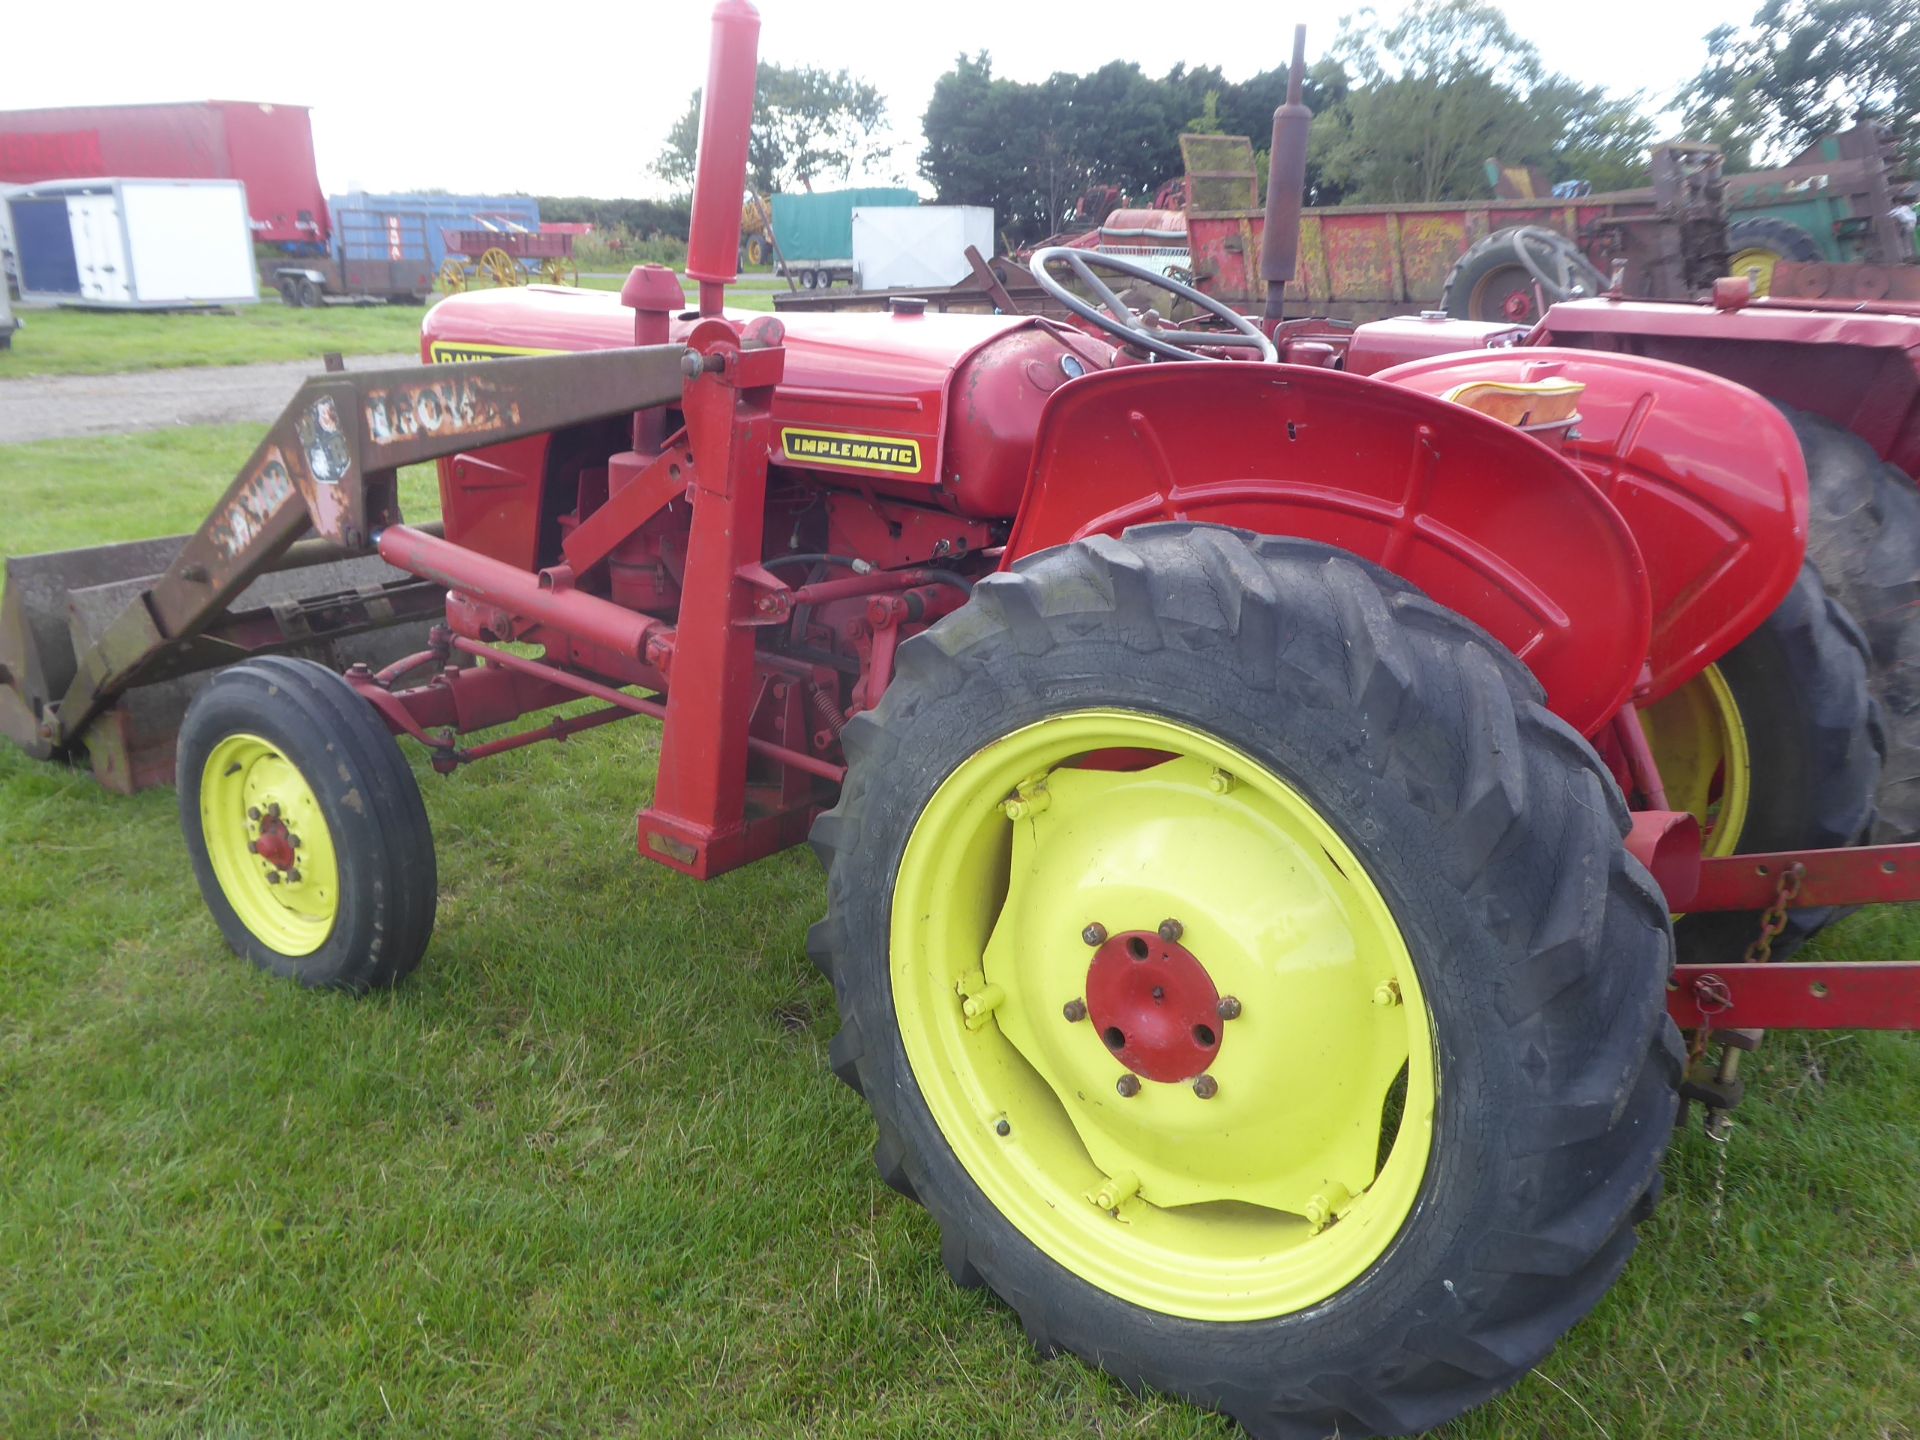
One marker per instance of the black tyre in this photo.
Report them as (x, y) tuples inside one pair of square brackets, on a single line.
[(288, 294), (1863, 536), (306, 830), (1776, 747), (1488, 833), (809, 279), (309, 294), (1492, 282)]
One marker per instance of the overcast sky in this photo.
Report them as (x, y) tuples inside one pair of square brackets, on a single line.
[(576, 96)]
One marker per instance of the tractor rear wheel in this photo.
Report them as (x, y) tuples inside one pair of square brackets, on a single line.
[(1863, 536), (1777, 746), (1247, 972), (1492, 280), (1757, 245), (306, 830)]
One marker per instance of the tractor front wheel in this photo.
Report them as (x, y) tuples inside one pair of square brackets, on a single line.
[(1247, 972), (305, 827)]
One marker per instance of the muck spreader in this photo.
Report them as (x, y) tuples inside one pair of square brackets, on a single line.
[(1278, 821)]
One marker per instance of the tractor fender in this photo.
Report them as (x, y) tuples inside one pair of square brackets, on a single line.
[(1487, 520), (285, 272), (1707, 475)]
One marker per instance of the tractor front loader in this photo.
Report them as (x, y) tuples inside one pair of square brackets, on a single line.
[(1253, 797)]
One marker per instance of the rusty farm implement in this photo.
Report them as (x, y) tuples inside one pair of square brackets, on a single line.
[(1254, 794)]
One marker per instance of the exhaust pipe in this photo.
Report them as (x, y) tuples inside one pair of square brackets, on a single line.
[(1286, 184), (720, 169)]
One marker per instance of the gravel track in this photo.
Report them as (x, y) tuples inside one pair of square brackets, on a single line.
[(62, 407)]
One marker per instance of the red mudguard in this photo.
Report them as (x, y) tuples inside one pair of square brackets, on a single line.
[(1486, 520), (1707, 475)]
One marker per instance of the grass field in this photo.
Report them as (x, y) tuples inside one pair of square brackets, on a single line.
[(586, 1174), (81, 342)]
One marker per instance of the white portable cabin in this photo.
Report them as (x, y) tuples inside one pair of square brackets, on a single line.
[(896, 246), (134, 244)]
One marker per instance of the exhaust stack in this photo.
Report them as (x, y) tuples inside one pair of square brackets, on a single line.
[(1286, 183), (720, 172)]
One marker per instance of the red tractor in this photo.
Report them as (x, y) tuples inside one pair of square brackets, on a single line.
[(1253, 796)]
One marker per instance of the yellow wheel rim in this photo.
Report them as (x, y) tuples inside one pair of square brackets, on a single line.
[(1700, 744), (1284, 1182), (1759, 263), (269, 844), (502, 268)]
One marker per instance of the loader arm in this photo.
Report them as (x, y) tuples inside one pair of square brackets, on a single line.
[(326, 471)]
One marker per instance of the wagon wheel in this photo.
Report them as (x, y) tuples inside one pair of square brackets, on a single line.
[(1218, 1048), (501, 267), (453, 275), (559, 270)]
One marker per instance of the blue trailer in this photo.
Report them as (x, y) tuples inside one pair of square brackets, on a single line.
[(388, 247)]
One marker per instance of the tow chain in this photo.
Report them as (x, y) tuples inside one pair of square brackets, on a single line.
[(1774, 918)]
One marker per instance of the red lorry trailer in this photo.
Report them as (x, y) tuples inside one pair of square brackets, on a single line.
[(267, 147), (1253, 797)]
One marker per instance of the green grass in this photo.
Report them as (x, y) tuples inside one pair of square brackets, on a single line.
[(84, 342), (87, 342), (586, 1173)]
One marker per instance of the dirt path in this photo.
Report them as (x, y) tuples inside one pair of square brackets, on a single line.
[(64, 406)]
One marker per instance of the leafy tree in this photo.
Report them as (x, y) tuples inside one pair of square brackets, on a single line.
[(1802, 68), (1435, 95), (808, 125)]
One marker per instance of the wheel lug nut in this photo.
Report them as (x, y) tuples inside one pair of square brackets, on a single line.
[(1002, 1128), (1075, 1011), (273, 877), (1171, 930), (1206, 1087), (253, 847), (253, 812), (1386, 993), (1128, 1086), (1094, 934), (293, 877), (294, 841), (1228, 1008)]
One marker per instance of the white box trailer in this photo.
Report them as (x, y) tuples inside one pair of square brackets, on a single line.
[(896, 246), (126, 244)]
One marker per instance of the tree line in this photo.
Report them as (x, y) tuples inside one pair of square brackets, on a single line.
[(1403, 112)]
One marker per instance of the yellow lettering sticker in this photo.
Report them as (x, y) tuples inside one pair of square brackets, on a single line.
[(446, 352), (860, 452)]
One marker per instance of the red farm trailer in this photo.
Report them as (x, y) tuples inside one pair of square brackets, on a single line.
[(1257, 763), (267, 147), (1824, 226)]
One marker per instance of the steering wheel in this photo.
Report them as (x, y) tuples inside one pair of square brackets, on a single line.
[(1560, 268), (1114, 317)]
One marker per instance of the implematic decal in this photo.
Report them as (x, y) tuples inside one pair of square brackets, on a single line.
[(444, 352), (856, 452)]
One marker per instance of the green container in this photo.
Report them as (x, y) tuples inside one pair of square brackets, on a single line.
[(817, 228)]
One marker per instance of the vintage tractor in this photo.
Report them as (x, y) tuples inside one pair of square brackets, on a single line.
[(1253, 796)]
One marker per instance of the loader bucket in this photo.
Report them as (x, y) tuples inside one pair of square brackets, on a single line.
[(56, 607), (102, 649)]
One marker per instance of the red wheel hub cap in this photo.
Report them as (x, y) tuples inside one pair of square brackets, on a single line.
[(1154, 1005)]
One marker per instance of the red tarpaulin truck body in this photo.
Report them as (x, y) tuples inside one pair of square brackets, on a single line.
[(267, 147)]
